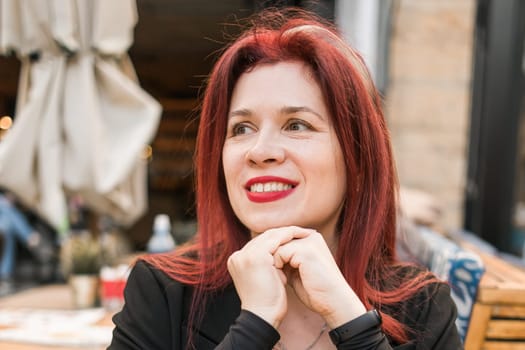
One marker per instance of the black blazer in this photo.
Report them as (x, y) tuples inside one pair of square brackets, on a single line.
[(155, 316)]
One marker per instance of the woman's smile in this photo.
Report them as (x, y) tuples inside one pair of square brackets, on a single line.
[(269, 188)]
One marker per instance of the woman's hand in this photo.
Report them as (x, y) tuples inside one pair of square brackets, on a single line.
[(301, 258), (312, 272), (260, 285)]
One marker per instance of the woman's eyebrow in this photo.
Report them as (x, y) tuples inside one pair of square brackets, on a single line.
[(243, 112), (296, 109)]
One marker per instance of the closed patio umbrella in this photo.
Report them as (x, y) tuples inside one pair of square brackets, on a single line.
[(82, 120)]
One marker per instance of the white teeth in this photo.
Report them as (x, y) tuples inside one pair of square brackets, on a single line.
[(270, 187)]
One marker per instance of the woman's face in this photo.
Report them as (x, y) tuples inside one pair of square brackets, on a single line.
[(282, 161)]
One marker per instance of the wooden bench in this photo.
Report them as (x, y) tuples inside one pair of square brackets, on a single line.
[(498, 317)]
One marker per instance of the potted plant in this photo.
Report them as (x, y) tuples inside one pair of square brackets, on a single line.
[(81, 259)]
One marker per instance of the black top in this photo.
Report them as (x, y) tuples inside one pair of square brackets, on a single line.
[(156, 311)]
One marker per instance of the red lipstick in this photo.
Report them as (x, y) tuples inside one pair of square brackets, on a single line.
[(263, 197)]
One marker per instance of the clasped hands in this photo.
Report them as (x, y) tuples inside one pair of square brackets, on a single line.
[(300, 258)]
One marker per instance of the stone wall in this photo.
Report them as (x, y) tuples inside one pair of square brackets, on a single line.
[(428, 98)]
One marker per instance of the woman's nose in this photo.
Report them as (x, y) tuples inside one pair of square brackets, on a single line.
[(266, 149)]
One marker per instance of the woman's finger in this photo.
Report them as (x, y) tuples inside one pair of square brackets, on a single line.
[(272, 239), (299, 250)]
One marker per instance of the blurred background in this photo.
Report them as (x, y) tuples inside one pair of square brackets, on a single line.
[(451, 73)]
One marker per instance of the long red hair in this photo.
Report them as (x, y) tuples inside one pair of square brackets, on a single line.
[(367, 226)]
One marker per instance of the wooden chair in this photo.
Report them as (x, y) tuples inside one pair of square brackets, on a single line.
[(498, 316)]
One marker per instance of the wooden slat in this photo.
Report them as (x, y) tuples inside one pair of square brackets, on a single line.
[(506, 295), (509, 311), (506, 329), (478, 324), (498, 345)]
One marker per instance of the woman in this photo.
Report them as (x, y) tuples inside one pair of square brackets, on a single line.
[(296, 204)]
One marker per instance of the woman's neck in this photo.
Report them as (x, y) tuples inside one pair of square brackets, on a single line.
[(297, 311), (301, 326)]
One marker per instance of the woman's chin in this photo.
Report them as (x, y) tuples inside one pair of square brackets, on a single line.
[(256, 230)]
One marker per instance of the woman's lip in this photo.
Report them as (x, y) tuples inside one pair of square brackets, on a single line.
[(263, 197), (266, 179)]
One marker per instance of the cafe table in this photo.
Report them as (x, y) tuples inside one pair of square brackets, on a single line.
[(57, 297)]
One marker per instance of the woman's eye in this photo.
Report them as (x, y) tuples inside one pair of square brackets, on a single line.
[(241, 129), (298, 125)]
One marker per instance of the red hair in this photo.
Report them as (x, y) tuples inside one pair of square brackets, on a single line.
[(367, 226)]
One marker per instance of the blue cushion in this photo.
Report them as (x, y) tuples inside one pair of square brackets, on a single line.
[(461, 268)]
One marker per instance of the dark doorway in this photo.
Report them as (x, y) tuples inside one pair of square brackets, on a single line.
[(495, 117)]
